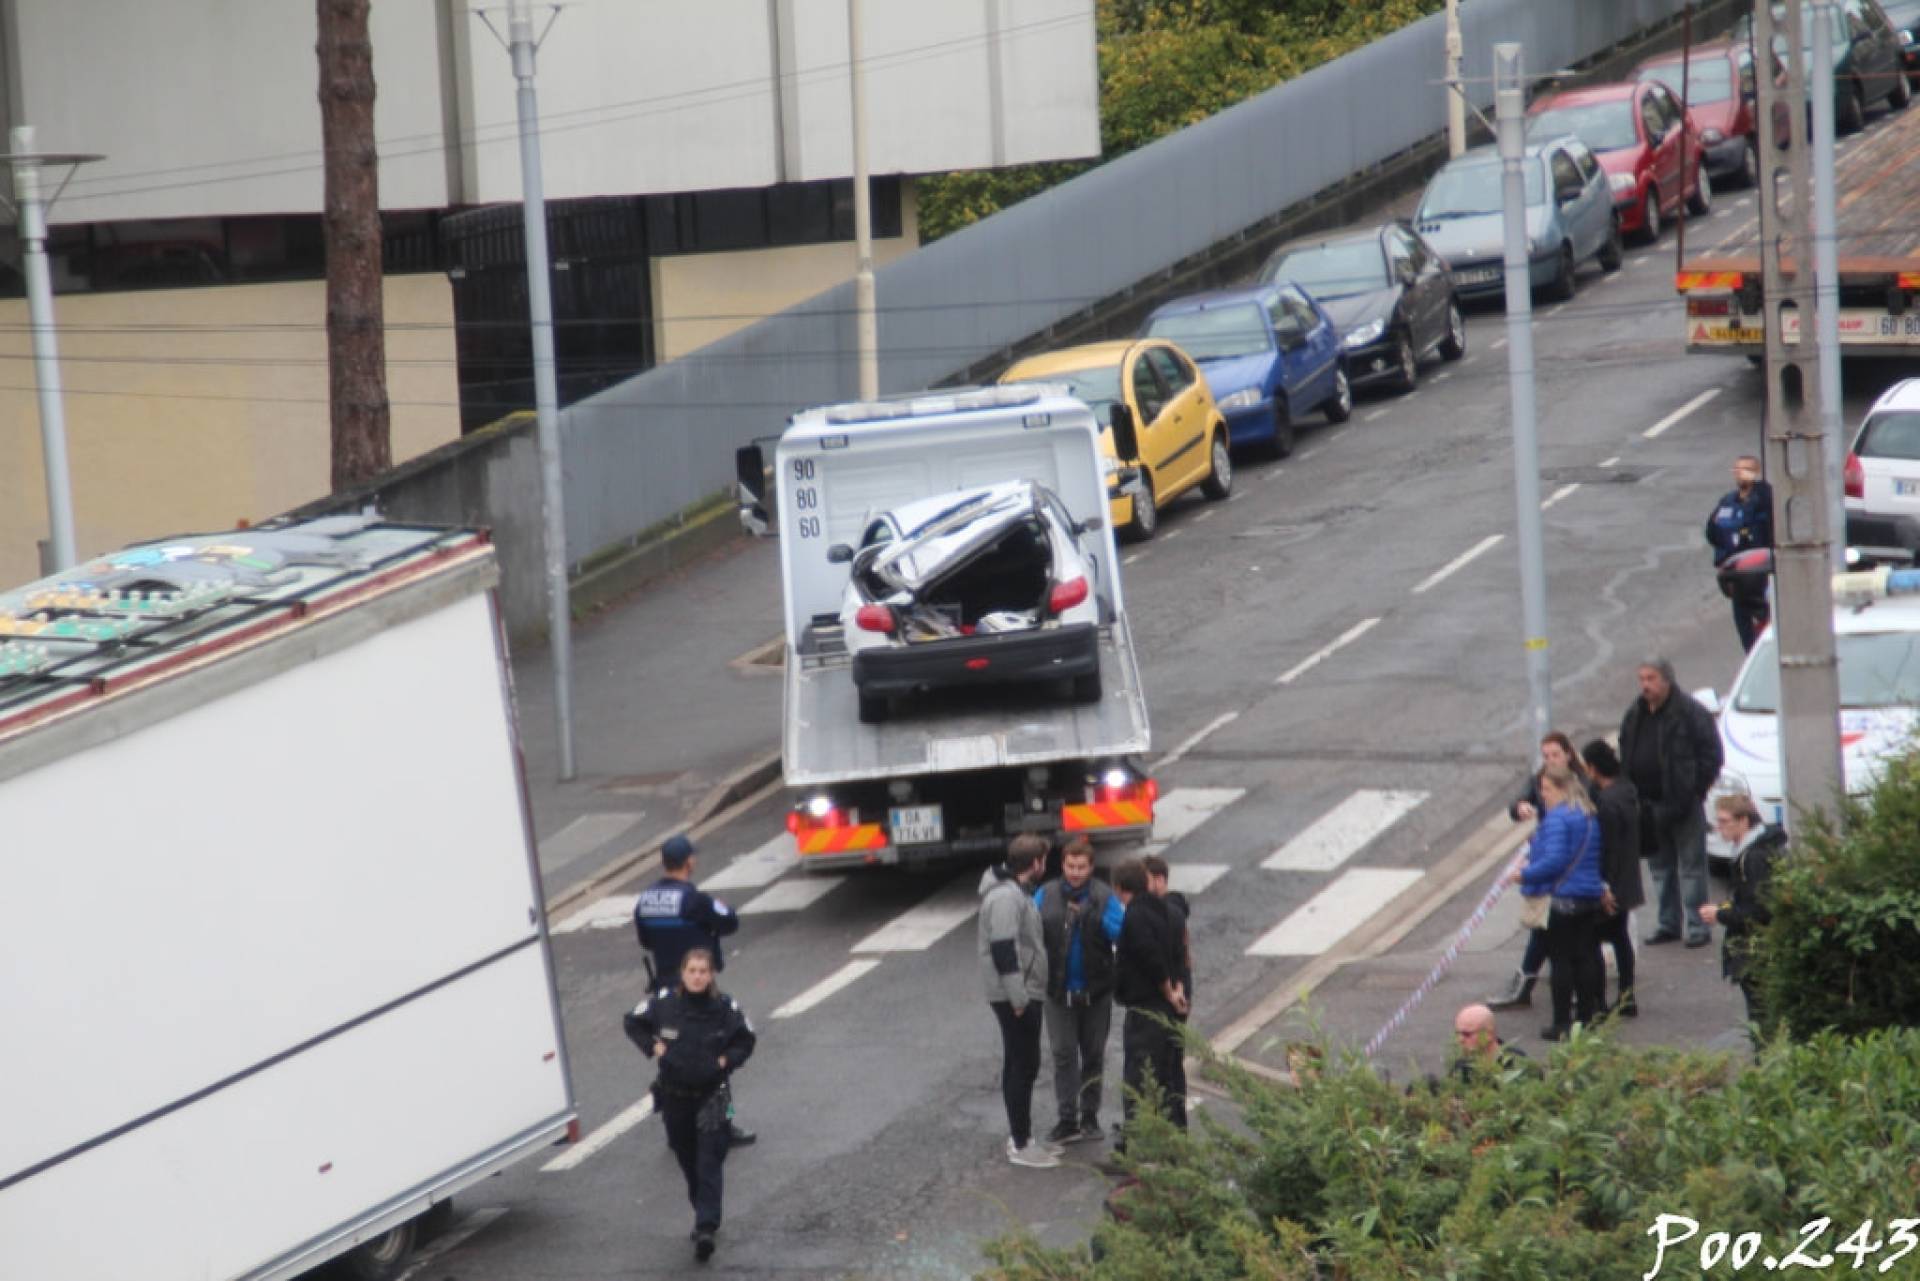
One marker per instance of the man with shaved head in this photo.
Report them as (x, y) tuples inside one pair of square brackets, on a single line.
[(1479, 1044)]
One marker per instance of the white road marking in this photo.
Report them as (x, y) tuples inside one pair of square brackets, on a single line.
[(1131, 557), (1185, 808), (760, 867), (601, 914), (1326, 651), (1170, 535), (843, 977), (1457, 564), (1654, 431), (1276, 473), (586, 1148), (1334, 912), (1554, 311), (1378, 413), (1557, 495), (1208, 514), (1608, 462), (441, 1246), (919, 928), (1343, 831), (1442, 376), (585, 835), (1723, 212), (1196, 738), (1498, 343), (1194, 878), (791, 896), (1609, 278)]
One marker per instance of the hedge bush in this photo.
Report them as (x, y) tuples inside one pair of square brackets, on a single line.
[(1560, 1169), (1843, 951), (1166, 64)]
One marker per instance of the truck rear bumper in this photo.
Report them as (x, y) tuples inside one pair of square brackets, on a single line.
[(1049, 653)]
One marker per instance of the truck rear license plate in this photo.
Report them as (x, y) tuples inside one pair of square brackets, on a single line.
[(916, 825), (1906, 488)]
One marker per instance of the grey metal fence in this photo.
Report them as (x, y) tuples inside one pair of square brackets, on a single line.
[(639, 452)]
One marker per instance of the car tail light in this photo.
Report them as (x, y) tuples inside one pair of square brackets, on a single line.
[(1856, 477), (876, 618), (1065, 596)]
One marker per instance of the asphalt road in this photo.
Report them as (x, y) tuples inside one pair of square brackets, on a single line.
[(1335, 654)]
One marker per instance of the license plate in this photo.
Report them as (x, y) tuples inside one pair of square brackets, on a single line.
[(1480, 275), (1906, 488), (916, 825)]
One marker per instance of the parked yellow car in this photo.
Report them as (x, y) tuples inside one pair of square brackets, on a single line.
[(1181, 436)]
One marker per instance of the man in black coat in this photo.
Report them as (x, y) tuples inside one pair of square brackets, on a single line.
[(1670, 752), (1617, 805), (1742, 521), (1146, 981), (1755, 847)]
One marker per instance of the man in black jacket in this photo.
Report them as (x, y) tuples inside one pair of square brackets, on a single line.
[(1146, 981), (1755, 847), (1670, 750), (1617, 805)]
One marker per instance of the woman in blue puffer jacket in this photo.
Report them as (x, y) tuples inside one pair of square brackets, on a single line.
[(1564, 861)]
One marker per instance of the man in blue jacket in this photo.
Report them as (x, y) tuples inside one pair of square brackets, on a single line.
[(1743, 520), (1080, 920)]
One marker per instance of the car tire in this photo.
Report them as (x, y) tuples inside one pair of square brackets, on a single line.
[(1701, 203), (1219, 482), (1282, 443), (1902, 93), (873, 708), (1750, 165), (1406, 365), (1339, 406), (1453, 343), (1852, 116), (1086, 689), (381, 1259), (1650, 216), (1614, 251), (1146, 512), (1563, 285)]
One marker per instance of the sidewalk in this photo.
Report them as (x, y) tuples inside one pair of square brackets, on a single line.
[(661, 716)]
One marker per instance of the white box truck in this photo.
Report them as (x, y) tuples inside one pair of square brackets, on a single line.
[(274, 972), (992, 747)]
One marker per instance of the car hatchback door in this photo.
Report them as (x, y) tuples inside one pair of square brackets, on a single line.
[(1186, 415), (1151, 413), (1889, 454)]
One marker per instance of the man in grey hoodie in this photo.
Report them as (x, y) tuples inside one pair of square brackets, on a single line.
[(1013, 965)]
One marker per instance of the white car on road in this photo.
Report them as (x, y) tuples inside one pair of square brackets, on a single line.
[(1883, 477), (1878, 645)]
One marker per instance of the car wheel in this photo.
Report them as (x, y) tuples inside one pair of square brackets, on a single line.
[(1750, 165), (1563, 286), (1406, 366), (873, 708), (1650, 219), (1453, 343), (1146, 513), (1702, 203), (1219, 481), (1852, 116), (1282, 443), (383, 1258), (1086, 689), (1339, 407), (1902, 93), (1613, 252)]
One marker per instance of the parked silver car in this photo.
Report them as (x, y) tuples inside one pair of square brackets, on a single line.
[(987, 586), (1883, 478)]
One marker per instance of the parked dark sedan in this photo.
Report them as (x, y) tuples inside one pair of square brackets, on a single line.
[(1388, 291), (1867, 57)]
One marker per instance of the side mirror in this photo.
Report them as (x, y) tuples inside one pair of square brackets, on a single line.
[(1403, 272), (1089, 525), (839, 554), (1126, 440), (1707, 699), (753, 487)]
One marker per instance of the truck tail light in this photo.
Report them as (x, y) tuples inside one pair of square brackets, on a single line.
[(816, 813), (1110, 790), (876, 618), (1065, 596), (1856, 477)]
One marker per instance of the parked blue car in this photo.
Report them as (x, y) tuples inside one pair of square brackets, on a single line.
[(1271, 355)]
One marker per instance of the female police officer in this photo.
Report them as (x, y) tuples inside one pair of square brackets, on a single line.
[(699, 1037)]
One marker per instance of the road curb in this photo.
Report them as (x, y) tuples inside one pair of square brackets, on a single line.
[(1492, 842), (731, 797)]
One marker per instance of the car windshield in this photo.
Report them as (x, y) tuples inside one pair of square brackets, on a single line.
[(1216, 332), (1604, 126), (1891, 435), (1877, 669), (1743, 30), (1460, 191), (1708, 79), (1097, 385), (1335, 271)]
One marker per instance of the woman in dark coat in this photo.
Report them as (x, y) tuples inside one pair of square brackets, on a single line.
[(1617, 804), (1755, 847), (699, 1037)]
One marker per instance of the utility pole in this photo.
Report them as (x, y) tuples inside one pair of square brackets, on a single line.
[(866, 325), (1796, 440), (32, 210), (1510, 122), (1456, 100), (362, 435), (523, 45), (1826, 279)]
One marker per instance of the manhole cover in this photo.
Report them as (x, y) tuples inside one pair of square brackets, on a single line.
[(1279, 535), (1591, 475)]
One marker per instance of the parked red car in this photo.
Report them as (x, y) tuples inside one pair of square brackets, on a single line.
[(1638, 132), (1720, 97)]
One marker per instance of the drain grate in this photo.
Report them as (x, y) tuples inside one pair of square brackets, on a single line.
[(1591, 475), (1279, 535)]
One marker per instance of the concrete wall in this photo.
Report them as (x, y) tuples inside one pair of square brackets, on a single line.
[(191, 409)]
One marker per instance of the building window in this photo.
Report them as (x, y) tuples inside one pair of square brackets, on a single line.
[(793, 213)]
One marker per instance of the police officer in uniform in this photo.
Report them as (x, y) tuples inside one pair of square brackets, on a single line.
[(699, 1037), (672, 917)]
